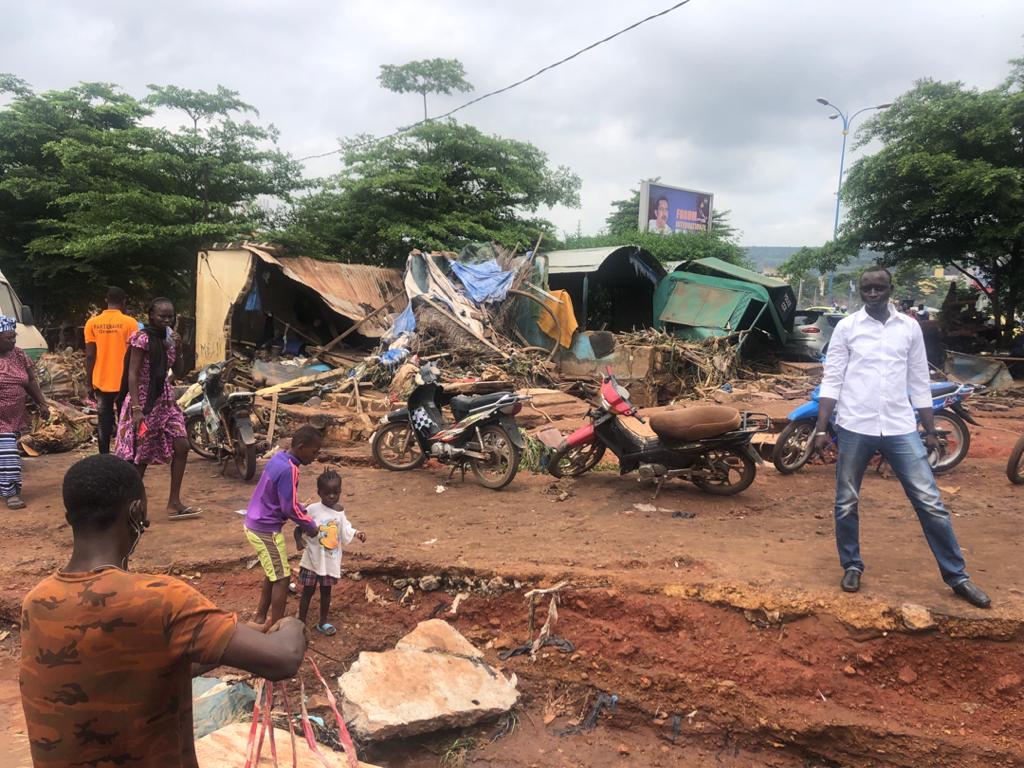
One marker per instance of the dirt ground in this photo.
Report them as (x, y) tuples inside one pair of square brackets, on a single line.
[(717, 622)]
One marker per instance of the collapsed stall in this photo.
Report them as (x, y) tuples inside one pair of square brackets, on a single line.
[(252, 299)]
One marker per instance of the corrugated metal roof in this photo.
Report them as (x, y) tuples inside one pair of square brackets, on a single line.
[(591, 259), (351, 290), (719, 267)]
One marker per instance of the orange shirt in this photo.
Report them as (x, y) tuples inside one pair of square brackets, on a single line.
[(106, 667), (110, 331)]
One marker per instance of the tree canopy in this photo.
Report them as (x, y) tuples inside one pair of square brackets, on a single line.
[(947, 186), (439, 185), (425, 76), (90, 194)]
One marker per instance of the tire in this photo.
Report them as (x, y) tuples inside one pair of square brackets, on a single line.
[(199, 437), (738, 464), (1015, 465), (395, 447), (573, 461), (788, 452), (958, 439), (245, 456), (499, 471)]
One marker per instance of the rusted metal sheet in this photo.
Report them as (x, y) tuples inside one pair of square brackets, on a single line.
[(352, 290)]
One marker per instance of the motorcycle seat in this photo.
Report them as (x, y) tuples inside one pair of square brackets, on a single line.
[(461, 405), (695, 423), (639, 429), (945, 388)]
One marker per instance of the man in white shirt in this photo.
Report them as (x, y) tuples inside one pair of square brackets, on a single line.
[(877, 372)]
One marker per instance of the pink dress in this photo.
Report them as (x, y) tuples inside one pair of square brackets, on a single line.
[(164, 423)]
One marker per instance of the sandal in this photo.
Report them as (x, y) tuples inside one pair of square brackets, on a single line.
[(185, 514), (326, 629), (14, 502)]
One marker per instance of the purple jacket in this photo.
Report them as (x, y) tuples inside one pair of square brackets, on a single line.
[(275, 500)]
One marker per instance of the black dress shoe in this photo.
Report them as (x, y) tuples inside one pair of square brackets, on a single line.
[(851, 580), (972, 594)]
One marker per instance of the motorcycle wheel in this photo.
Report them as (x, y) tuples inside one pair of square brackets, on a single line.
[(732, 472), (245, 456), (788, 452), (1015, 465), (957, 441), (497, 471), (395, 447), (575, 460), (199, 437)]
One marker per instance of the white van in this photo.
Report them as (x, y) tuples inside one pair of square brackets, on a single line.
[(29, 337)]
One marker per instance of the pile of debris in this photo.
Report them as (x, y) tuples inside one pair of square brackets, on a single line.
[(72, 419)]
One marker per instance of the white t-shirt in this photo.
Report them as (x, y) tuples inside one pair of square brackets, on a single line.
[(322, 554)]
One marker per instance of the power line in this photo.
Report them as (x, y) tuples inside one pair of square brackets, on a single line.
[(516, 84)]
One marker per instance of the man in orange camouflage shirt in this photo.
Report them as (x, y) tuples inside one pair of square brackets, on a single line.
[(107, 656)]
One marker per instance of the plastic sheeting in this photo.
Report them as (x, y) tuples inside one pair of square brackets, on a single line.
[(485, 281), (216, 704)]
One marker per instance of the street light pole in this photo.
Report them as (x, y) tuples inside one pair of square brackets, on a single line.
[(847, 122)]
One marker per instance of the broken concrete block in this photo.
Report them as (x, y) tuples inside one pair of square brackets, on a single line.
[(433, 679), (917, 618)]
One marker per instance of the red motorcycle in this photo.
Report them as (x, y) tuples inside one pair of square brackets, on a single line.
[(709, 445)]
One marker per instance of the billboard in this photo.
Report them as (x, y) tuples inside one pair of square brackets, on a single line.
[(668, 210)]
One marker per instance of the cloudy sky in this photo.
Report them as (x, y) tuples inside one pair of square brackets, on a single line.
[(719, 95)]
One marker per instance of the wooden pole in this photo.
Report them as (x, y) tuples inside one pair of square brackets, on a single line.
[(344, 334), (273, 420)]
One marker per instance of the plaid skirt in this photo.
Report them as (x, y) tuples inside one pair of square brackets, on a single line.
[(308, 578)]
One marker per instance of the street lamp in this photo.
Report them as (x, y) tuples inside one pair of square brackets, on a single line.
[(847, 121)]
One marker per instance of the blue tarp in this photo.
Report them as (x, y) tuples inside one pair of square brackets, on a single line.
[(404, 323), (484, 282)]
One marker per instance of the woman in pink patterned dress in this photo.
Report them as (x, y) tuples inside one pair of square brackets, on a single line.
[(16, 381), (152, 427)]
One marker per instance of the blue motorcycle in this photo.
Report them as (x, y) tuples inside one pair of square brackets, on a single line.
[(793, 447)]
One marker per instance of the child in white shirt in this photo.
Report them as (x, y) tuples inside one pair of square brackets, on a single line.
[(321, 556)]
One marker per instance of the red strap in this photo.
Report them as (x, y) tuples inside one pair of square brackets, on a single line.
[(343, 735), (291, 728)]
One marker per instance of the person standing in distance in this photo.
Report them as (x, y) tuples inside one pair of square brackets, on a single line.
[(106, 342), (876, 373)]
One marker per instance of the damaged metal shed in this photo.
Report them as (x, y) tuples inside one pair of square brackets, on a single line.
[(612, 288), (250, 296), (709, 297)]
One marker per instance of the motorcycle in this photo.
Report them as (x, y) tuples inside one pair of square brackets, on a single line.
[(793, 447), (706, 445), (484, 434), (218, 424)]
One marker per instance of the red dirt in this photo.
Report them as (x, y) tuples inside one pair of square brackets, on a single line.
[(662, 624)]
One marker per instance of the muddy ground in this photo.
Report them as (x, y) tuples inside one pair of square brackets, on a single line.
[(717, 622)]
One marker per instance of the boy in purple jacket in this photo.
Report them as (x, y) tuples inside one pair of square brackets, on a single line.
[(274, 502)]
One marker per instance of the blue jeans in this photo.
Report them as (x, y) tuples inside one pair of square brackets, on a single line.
[(908, 458)]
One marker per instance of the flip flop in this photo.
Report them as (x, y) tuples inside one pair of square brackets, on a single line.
[(14, 502), (326, 629), (185, 514)]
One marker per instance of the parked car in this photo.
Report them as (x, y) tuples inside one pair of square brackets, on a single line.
[(812, 331), (29, 337)]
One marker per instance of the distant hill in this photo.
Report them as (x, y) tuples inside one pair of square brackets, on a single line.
[(769, 257)]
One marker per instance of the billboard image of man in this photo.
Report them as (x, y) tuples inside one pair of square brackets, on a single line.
[(659, 223)]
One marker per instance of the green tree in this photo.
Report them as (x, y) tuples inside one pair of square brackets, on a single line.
[(91, 195), (425, 76), (439, 185), (947, 186)]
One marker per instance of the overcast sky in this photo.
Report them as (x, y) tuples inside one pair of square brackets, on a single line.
[(719, 95)]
